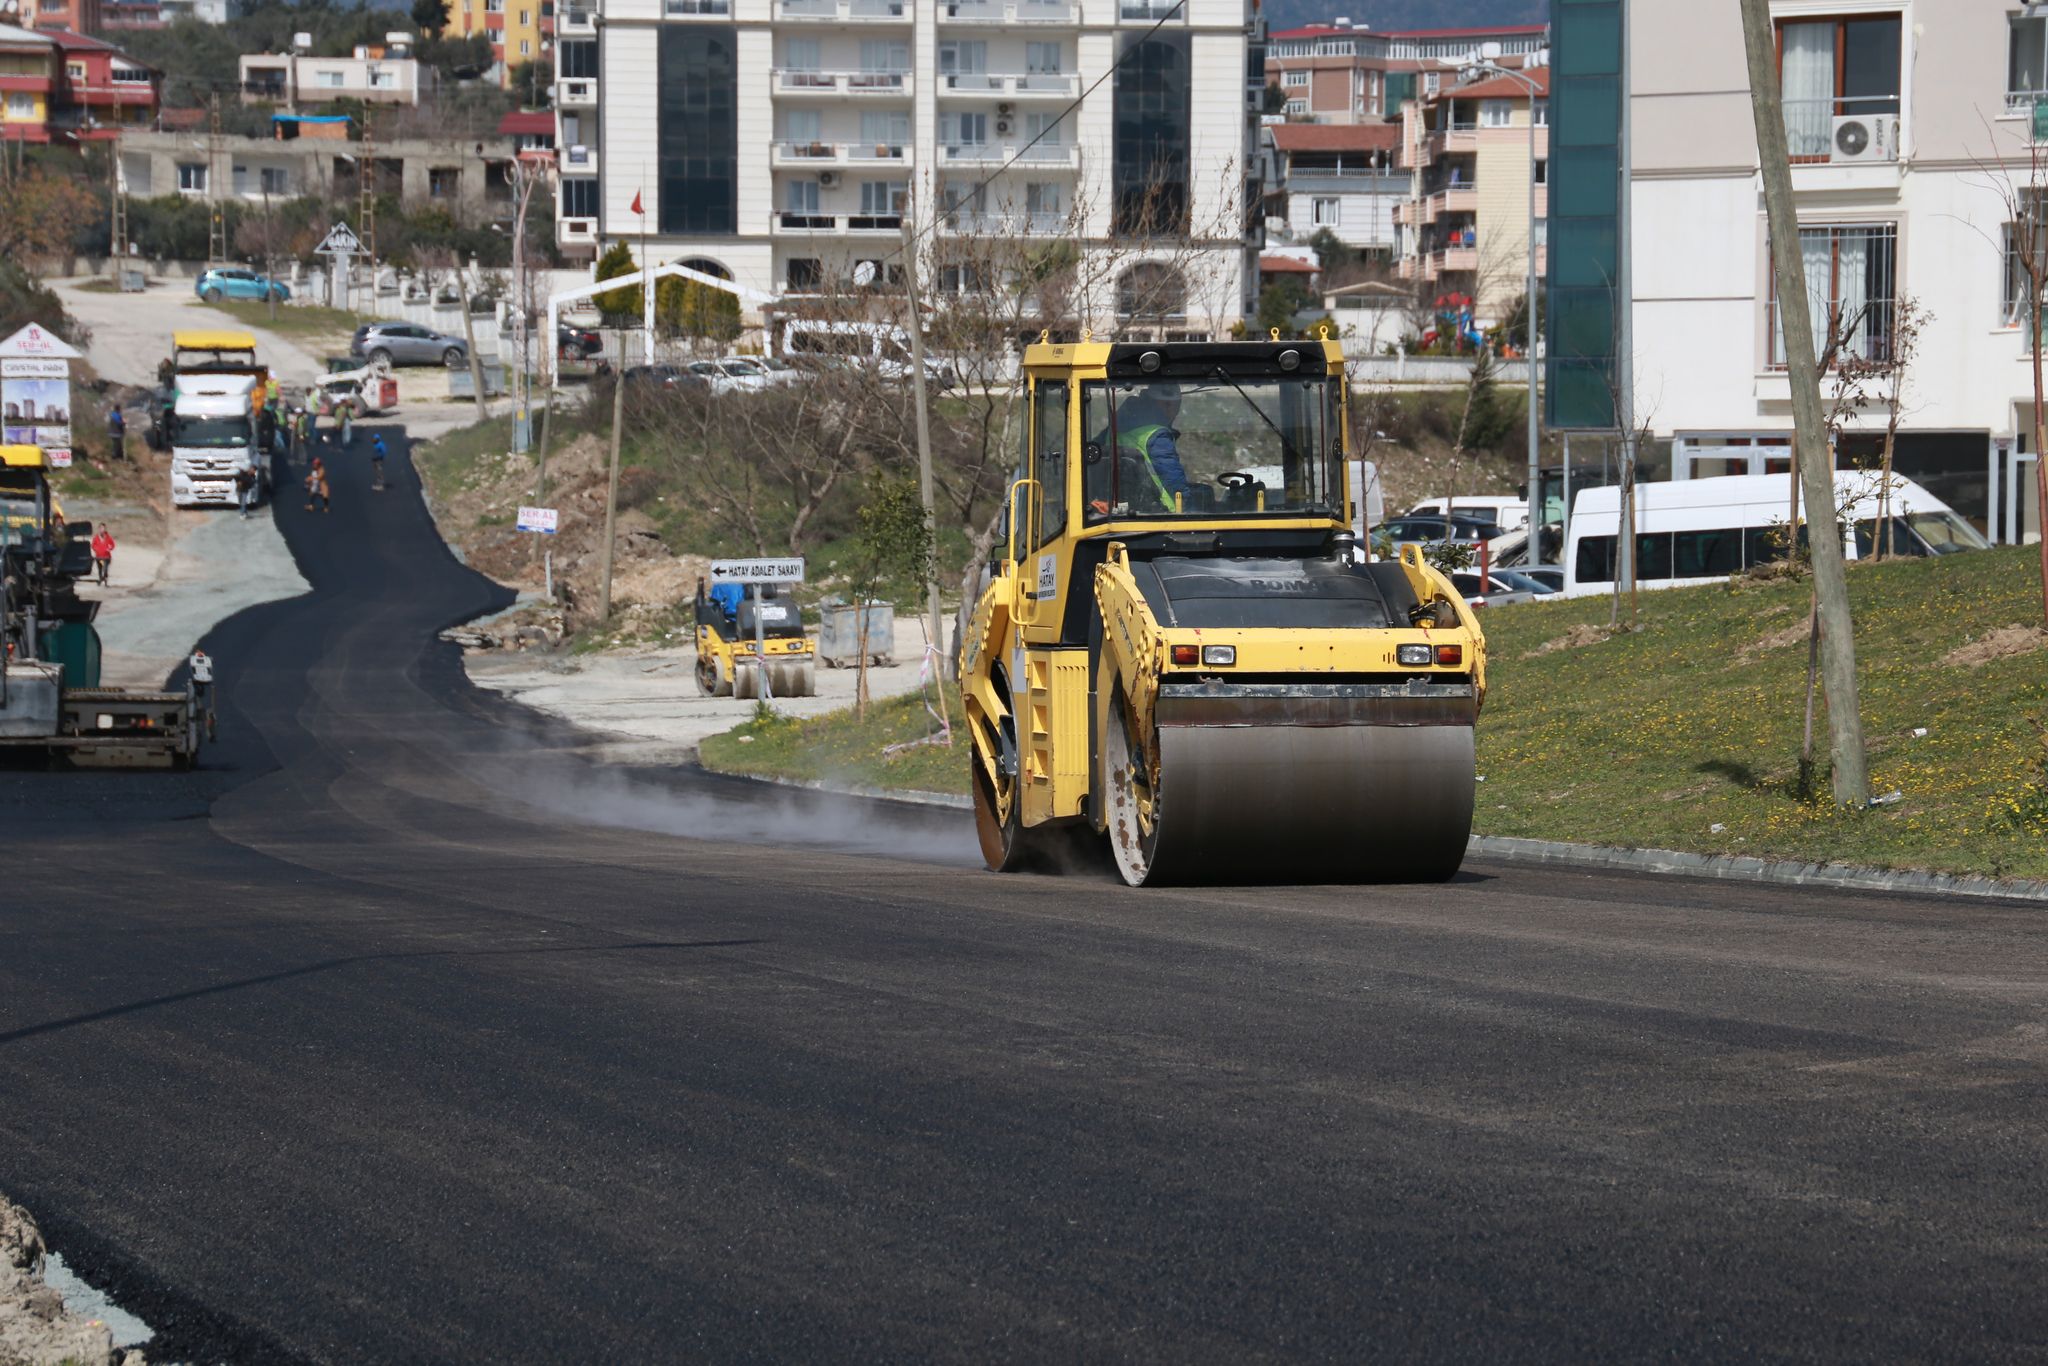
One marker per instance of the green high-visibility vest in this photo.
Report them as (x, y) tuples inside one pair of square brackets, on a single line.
[(1139, 439)]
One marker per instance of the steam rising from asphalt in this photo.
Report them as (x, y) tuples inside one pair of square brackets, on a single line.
[(697, 805)]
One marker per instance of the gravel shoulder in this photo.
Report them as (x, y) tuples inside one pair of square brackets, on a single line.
[(36, 1327), (643, 705)]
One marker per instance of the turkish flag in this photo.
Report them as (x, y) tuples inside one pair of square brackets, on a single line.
[(636, 203)]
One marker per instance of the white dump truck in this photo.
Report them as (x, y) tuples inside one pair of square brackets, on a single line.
[(212, 428)]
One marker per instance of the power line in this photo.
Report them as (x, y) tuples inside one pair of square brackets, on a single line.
[(1073, 106)]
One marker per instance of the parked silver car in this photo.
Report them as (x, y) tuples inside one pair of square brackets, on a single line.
[(407, 344)]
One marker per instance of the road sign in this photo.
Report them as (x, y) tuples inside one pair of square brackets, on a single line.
[(758, 571), (341, 240), (38, 342), (544, 520)]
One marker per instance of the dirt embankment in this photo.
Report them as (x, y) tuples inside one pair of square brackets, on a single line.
[(35, 1327), (477, 515)]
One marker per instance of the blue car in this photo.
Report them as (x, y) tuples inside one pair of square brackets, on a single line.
[(228, 283)]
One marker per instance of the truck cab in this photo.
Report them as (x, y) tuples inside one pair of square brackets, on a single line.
[(213, 437)]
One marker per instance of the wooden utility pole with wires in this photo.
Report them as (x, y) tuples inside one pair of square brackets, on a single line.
[(216, 194), (1816, 467)]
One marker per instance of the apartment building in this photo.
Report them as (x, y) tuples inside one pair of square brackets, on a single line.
[(1344, 178), (59, 86), (784, 143), (520, 31), (80, 16), (372, 75), (1465, 226), (1907, 121), (470, 177), (1340, 73)]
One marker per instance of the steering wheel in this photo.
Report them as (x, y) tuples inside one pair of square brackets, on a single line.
[(1236, 480)]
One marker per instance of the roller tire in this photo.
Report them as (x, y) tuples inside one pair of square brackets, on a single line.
[(746, 683), (1131, 841)]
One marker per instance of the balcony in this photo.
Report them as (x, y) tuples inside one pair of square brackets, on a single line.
[(579, 161), (576, 232), (576, 21), (965, 224), (843, 11), (1028, 13), (1151, 12), (822, 155), (787, 224), (868, 84), (576, 93), (1037, 85), (1044, 155)]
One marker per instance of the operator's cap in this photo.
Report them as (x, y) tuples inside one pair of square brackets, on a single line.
[(1165, 390)]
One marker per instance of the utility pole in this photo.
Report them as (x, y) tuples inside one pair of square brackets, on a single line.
[(216, 194), (933, 631), (117, 205), (269, 254), (1816, 467), (366, 205)]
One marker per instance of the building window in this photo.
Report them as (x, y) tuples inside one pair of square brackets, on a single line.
[(1542, 172), (330, 80), (1325, 212), (75, 70), (274, 180), (884, 57), (962, 59), (1043, 59), (1494, 113), (525, 47), (1849, 288), (1432, 81), (963, 130), (1543, 113), (1044, 129), (882, 198), (443, 182), (1830, 67), (885, 129), (1297, 106), (525, 18), (191, 174), (576, 61), (579, 198), (2026, 62), (1294, 80), (699, 131), (802, 274), (2015, 303), (800, 197), (1149, 164)]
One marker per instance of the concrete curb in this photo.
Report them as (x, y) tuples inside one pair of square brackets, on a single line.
[(1558, 854), (1743, 868)]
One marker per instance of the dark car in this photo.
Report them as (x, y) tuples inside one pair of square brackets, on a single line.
[(1430, 530), (577, 343), (661, 377), (407, 344)]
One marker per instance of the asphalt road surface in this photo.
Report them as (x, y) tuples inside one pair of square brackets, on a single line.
[(402, 1033)]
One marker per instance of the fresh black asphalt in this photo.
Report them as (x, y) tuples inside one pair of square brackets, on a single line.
[(404, 1033)]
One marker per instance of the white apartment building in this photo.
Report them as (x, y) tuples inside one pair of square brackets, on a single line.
[(782, 143), (1905, 120), (371, 75)]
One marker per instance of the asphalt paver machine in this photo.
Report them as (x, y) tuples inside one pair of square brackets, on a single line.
[(51, 701), (1182, 647)]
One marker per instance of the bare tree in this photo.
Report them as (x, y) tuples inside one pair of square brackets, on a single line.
[(1831, 583)]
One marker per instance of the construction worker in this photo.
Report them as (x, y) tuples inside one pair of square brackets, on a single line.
[(377, 454), (245, 489), (1150, 475), (117, 433), (316, 486)]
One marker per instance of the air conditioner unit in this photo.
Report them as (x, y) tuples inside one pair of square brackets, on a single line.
[(1002, 128), (828, 179), (1004, 111), (1865, 137)]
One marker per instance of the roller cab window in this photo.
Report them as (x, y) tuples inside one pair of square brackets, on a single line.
[(1219, 445)]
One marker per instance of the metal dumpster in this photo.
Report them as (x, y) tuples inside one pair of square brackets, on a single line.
[(839, 634)]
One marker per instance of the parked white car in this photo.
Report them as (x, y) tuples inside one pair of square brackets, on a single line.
[(1509, 514), (735, 376)]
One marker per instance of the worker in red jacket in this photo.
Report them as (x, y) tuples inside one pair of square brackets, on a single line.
[(102, 551)]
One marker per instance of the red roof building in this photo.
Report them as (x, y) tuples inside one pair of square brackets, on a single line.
[(102, 89), (1343, 177), (28, 84)]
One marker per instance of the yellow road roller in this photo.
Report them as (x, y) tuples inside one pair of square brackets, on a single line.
[(740, 638), (1182, 646)]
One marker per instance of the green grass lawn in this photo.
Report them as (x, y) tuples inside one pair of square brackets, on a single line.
[(1655, 737), (838, 748), (1652, 738), (299, 321)]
